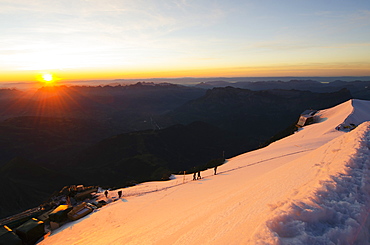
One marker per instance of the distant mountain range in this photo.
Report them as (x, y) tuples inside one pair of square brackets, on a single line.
[(359, 89), (254, 115), (189, 81), (120, 135), (66, 119)]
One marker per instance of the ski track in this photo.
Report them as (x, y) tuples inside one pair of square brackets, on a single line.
[(221, 172)]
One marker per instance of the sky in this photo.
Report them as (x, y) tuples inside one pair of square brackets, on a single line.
[(118, 39)]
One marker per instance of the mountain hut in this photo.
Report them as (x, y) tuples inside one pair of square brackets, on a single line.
[(306, 118)]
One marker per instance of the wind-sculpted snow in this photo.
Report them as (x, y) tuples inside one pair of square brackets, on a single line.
[(337, 212), (360, 113)]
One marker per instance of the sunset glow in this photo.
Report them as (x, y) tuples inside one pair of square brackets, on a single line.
[(131, 39)]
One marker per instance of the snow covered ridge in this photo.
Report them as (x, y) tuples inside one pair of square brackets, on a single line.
[(337, 211), (312, 187)]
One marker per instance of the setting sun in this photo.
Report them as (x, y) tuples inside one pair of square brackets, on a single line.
[(47, 77)]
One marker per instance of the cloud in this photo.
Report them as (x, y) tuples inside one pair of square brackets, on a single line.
[(124, 19)]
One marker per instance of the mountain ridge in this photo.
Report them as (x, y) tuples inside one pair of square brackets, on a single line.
[(306, 188)]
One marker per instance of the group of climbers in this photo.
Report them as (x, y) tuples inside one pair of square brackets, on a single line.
[(197, 176)]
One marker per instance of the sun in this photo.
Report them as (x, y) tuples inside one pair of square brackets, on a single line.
[(47, 78)]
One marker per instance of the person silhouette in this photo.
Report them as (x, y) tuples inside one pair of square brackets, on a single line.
[(199, 175)]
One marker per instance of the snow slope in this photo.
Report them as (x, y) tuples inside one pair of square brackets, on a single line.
[(309, 188)]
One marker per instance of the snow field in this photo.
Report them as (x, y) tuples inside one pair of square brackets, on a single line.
[(335, 211)]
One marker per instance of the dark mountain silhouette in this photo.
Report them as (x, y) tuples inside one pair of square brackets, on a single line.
[(59, 120), (6, 94), (25, 184), (102, 103), (359, 89), (256, 115), (45, 139), (152, 154)]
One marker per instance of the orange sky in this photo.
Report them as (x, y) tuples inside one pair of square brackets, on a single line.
[(129, 39), (110, 74)]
